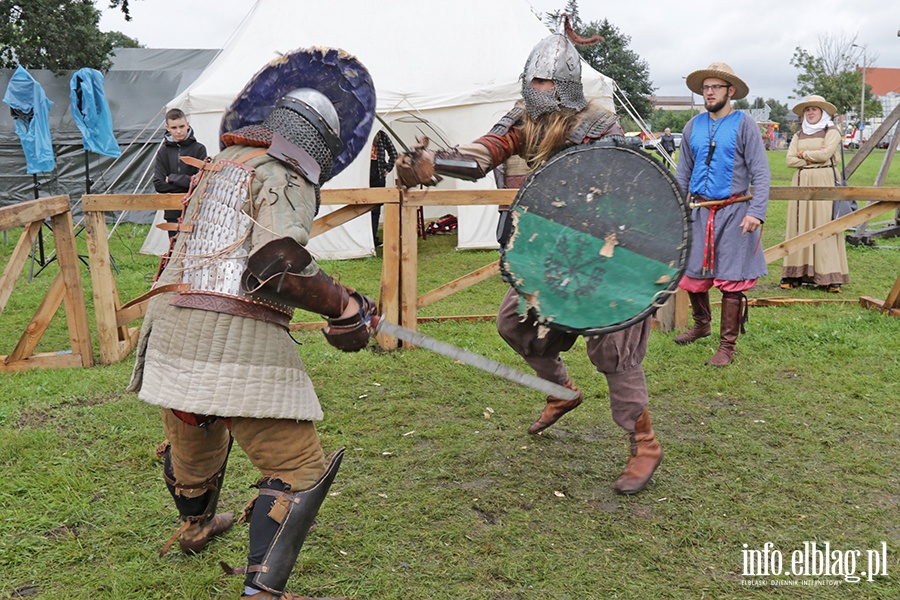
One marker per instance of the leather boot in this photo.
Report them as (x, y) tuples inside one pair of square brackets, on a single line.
[(702, 317), (287, 596), (556, 408), (200, 523), (198, 533), (734, 315), (646, 454)]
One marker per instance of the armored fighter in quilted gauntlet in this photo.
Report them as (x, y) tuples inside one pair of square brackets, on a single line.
[(217, 356)]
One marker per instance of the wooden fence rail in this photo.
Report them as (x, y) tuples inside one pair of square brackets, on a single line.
[(399, 300)]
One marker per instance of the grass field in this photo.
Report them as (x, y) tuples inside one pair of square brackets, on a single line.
[(442, 494)]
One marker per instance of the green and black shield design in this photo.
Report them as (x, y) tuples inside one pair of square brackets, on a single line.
[(600, 238)]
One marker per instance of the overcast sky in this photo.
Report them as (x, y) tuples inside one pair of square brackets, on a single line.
[(756, 37)]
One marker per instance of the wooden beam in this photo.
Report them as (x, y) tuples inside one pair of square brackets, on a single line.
[(460, 283), (42, 360), (368, 196), (682, 309), (70, 269), (40, 321), (317, 325), (307, 325), (338, 218), (467, 318), (25, 213), (829, 229), (131, 313), (106, 296), (872, 142), (888, 159), (110, 202), (127, 344), (429, 197), (389, 294), (893, 299), (17, 261), (409, 267), (785, 301), (875, 303), (860, 236), (827, 194), (674, 314)]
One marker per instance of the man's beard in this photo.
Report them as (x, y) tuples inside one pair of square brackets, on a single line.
[(716, 106)]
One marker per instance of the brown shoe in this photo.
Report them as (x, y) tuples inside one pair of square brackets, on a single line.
[(646, 454), (197, 534), (702, 316), (556, 408)]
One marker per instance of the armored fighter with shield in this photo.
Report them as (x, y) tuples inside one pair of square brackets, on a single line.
[(553, 116), (215, 353)]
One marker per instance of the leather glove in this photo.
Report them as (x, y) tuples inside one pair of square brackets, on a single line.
[(352, 333), (416, 167)]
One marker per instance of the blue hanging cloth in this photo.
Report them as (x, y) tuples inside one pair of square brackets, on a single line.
[(31, 109), (91, 112)]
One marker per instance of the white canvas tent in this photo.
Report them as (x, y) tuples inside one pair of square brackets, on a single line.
[(453, 65)]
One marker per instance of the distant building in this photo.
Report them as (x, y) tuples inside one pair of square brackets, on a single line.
[(676, 102), (885, 84)]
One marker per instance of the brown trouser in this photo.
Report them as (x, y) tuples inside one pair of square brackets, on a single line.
[(280, 448), (617, 355)]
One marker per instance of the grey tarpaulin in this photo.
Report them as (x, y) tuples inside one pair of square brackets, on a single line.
[(138, 86)]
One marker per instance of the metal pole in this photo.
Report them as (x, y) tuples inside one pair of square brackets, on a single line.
[(862, 98), (87, 172)]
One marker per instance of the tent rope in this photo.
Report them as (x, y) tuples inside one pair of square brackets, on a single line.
[(619, 94)]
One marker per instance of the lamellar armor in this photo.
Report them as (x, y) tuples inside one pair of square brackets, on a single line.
[(214, 257)]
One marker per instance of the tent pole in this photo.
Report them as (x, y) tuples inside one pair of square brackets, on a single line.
[(87, 172), (38, 244)]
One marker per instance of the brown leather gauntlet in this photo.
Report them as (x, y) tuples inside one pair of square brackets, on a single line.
[(274, 272), (454, 163), (416, 167)]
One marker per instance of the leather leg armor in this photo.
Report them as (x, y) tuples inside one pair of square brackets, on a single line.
[(200, 522), (278, 526)]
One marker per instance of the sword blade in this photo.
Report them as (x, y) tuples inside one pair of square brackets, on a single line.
[(475, 360), (393, 134)]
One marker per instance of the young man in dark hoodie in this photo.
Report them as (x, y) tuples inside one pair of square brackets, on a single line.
[(171, 175)]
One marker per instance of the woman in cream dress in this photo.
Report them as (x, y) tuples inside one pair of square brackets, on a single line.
[(814, 152)]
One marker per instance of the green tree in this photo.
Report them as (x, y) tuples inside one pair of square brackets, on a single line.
[(673, 119), (613, 58), (123, 6), (778, 112), (58, 35), (832, 73), (120, 40)]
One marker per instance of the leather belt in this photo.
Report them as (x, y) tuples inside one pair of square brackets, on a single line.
[(231, 305)]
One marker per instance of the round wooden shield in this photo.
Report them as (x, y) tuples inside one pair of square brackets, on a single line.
[(600, 238)]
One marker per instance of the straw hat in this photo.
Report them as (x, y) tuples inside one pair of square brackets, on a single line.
[(814, 100), (721, 71)]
